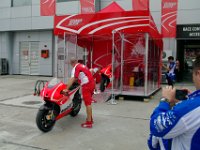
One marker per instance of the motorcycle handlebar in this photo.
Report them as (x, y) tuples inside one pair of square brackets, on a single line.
[(64, 93)]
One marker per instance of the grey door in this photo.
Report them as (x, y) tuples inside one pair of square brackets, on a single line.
[(29, 58)]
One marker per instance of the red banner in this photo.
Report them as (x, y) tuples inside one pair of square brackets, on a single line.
[(140, 4), (47, 7), (169, 17), (87, 6)]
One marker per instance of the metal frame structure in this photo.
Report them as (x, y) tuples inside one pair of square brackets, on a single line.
[(147, 90), (70, 47)]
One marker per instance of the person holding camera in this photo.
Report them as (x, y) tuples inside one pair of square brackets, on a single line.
[(175, 124)]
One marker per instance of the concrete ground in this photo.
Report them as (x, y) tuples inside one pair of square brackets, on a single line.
[(124, 126)]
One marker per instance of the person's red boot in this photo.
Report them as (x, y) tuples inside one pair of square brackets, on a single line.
[(87, 124)]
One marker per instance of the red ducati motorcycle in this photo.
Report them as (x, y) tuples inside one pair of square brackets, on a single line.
[(56, 104)]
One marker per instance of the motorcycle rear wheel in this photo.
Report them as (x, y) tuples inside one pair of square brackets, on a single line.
[(44, 124)]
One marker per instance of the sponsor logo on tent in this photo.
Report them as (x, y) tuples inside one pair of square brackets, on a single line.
[(169, 4), (74, 22)]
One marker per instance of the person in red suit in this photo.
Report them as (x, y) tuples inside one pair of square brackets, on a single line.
[(97, 77), (106, 74), (81, 73)]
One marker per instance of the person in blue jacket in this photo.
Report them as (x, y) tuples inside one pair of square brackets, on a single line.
[(175, 124), (170, 68)]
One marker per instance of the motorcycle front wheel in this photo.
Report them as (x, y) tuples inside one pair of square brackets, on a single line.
[(76, 104), (45, 119)]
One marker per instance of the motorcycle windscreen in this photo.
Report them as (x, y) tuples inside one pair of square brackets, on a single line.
[(52, 89)]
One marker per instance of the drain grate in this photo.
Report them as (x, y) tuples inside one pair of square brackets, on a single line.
[(32, 102)]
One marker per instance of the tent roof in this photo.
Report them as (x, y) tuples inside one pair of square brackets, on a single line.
[(106, 23), (113, 7), (98, 24)]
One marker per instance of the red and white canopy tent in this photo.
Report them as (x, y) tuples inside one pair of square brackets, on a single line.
[(132, 35)]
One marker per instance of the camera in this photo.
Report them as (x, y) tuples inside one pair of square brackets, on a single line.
[(181, 94)]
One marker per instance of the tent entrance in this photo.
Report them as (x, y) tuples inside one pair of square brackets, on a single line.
[(92, 51), (66, 48)]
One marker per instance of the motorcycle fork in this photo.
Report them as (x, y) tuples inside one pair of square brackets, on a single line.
[(50, 115)]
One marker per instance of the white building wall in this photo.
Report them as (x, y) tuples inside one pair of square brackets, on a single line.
[(6, 46), (71, 7), (125, 4), (23, 17), (45, 39), (3, 49), (16, 55), (5, 3), (10, 17), (46, 65)]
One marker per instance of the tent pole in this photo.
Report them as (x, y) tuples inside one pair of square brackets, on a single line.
[(113, 101), (55, 74), (76, 44), (122, 62), (91, 53), (65, 57), (146, 63)]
